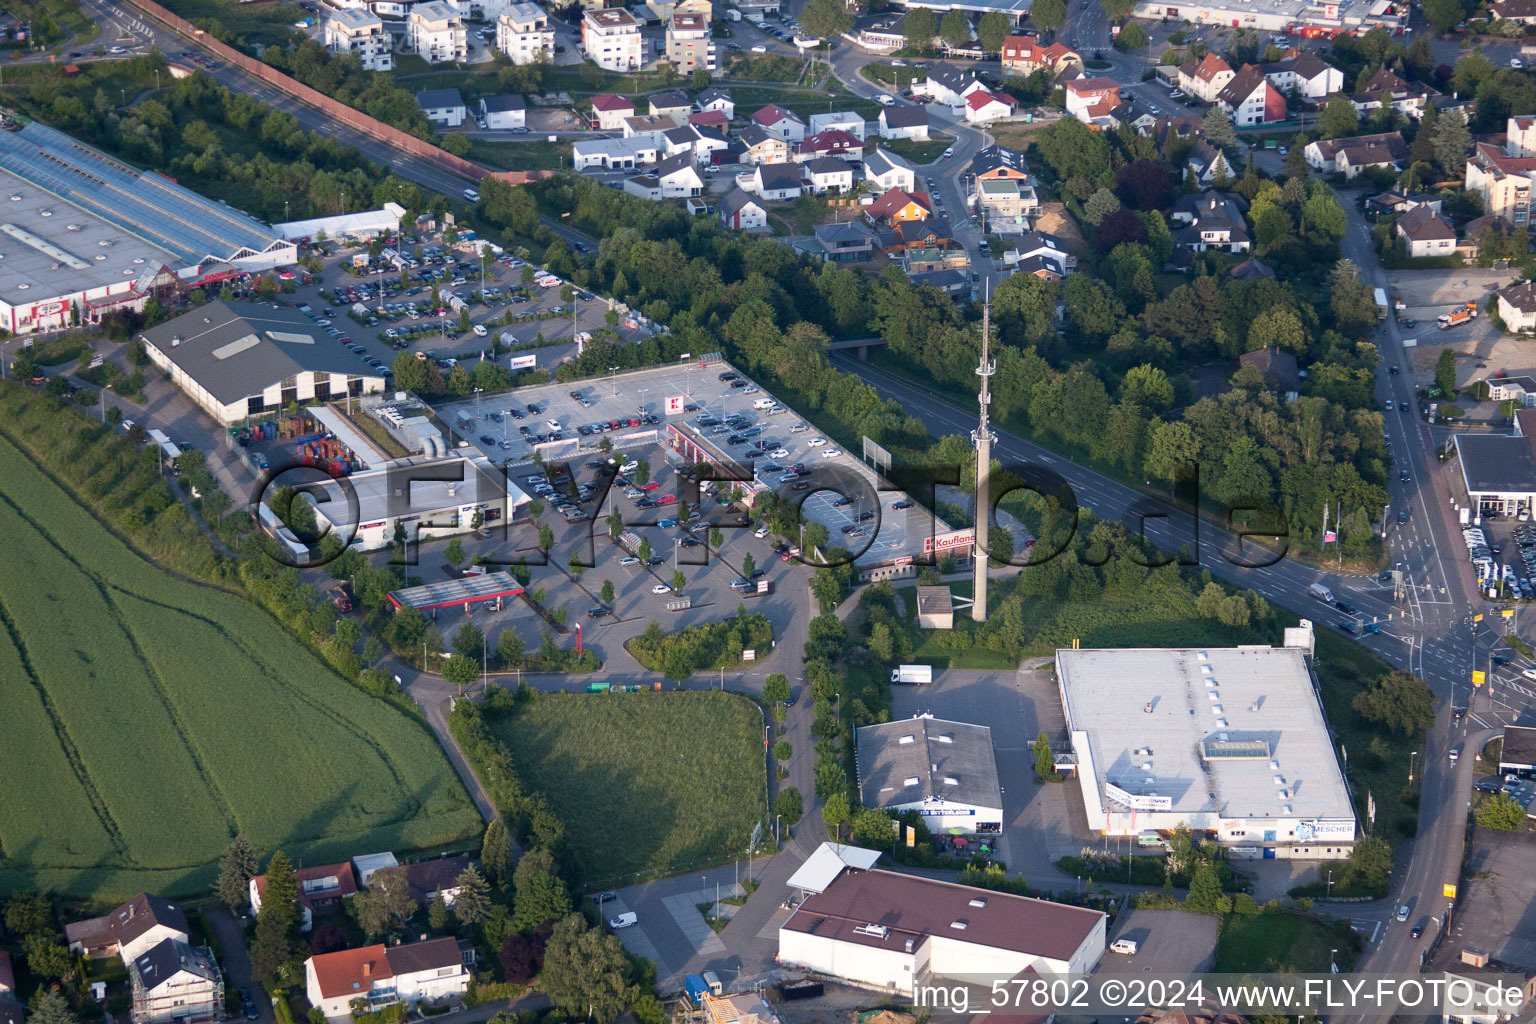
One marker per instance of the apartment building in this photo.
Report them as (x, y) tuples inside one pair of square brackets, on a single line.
[(361, 32), (523, 33), (689, 46), (435, 31), (611, 39), (1502, 180)]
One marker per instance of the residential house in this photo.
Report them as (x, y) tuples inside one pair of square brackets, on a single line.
[(673, 104), (426, 879), (644, 126), (503, 113), (1211, 222), (1503, 181), (11, 1011), (435, 32), (1040, 265), (1037, 245), (1385, 86), (983, 107), (689, 46), (380, 976), (613, 154), (1190, 126), (845, 241), (679, 176), (828, 174), (1208, 163), (443, 107), (1276, 366), (743, 212), (611, 39), (1005, 205), (947, 84), (832, 142), (1251, 99), (172, 983), (777, 182), (932, 233), (1335, 156), (904, 122), (1135, 114), (1520, 136), (360, 32), (524, 34), (1090, 100), (762, 148), (954, 283), (897, 206), (643, 186), (998, 163), (480, 10), (1022, 56), (885, 170), (923, 259), (1397, 201), (320, 888), (678, 140), (1520, 11), (366, 865), (1306, 74), (1205, 77), (129, 929), (714, 120), (1426, 233), (840, 120), (714, 100), (1251, 269), (1517, 306), (611, 111), (779, 123)]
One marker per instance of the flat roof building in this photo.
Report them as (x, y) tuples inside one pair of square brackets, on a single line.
[(943, 770), (1498, 471), (1230, 742), (240, 359), (893, 932), (1305, 20), (83, 231), (367, 224), (1517, 752), (427, 498)]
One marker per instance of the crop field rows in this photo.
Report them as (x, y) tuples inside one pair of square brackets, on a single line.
[(151, 718)]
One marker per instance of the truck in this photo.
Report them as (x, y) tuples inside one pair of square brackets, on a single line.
[(1381, 303), (913, 674), (1458, 316)]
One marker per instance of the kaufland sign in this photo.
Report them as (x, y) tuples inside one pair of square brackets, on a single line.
[(945, 542), (675, 404)]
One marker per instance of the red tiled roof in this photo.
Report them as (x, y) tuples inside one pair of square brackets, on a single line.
[(1083, 86), (894, 200), (771, 115), (609, 102), (981, 98), (346, 882), (351, 970)]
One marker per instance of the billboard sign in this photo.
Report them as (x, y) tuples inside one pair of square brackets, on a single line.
[(1318, 829), (675, 404), (1136, 801), (946, 542), (527, 362)]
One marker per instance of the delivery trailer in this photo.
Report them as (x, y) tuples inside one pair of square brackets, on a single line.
[(913, 674)]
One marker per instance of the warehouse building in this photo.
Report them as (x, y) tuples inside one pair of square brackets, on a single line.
[(362, 226), (240, 359), (82, 234), (943, 770), (1498, 471), (894, 932), (1230, 742), (1322, 20)]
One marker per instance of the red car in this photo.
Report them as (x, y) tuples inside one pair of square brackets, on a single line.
[(666, 499), (650, 486)]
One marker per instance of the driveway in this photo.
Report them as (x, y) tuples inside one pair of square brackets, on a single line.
[(229, 933)]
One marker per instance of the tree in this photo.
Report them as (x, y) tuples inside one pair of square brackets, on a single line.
[(585, 971), (540, 897), (1444, 14), (1501, 812), (991, 29), (1100, 205), (521, 957), (456, 143), (1399, 701), (1370, 862), (437, 913), (496, 854), (236, 868), (955, 29), (1045, 758), (460, 670), (546, 538), (28, 912), (1132, 36), (1451, 142), (679, 581), (1445, 373), (454, 553), (509, 647), (1338, 119), (1049, 15), (1171, 448), (46, 956), (814, 536), (1218, 128), (919, 28), (748, 565), (776, 688), (789, 805), (642, 472), (836, 812), (783, 751), (50, 1007), (1204, 890), (606, 594), (826, 19), (387, 901), (473, 904), (277, 923)]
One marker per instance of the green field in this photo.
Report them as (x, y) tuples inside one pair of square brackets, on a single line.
[(1280, 942), (646, 784), (148, 719)]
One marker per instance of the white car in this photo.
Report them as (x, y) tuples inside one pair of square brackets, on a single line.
[(816, 442), (799, 428), (831, 453), (759, 49), (884, 100), (761, 532), (629, 560), (1529, 673), (779, 453), (661, 588), (949, 152)]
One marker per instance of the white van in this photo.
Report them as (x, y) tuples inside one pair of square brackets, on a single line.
[(1321, 592), (763, 403), (1126, 947), (624, 920), (479, 330)]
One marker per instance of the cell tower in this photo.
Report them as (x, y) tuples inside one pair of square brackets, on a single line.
[(982, 438)]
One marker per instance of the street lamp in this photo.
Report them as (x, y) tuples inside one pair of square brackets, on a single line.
[(1411, 755), (614, 380)]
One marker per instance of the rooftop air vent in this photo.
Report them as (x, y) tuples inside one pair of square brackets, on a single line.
[(1285, 794), (959, 925), (100, 258), (45, 213), (15, 198), (911, 780), (906, 739), (950, 780), (945, 737), (1146, 766), (1221, 723), (978, 901), (23, 287), (72, 227)]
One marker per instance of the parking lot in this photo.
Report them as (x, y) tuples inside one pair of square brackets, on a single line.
[(1497, 905), (1169, 943)]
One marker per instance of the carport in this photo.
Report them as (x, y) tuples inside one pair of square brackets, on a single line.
[(491, 586)]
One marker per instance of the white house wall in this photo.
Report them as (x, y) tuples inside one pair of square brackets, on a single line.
[(863, 965)]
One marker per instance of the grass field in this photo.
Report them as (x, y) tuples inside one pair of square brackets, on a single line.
[(153, 718), (646, 785), (1279, 942)]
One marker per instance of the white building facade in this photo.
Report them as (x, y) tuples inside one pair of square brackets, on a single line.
[(611, 39), (436, 33), (359, 31), (524, 35)]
